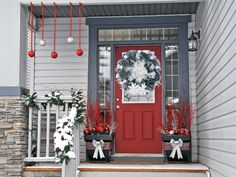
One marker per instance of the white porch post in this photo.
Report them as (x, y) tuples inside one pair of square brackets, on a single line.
[(71, 169)]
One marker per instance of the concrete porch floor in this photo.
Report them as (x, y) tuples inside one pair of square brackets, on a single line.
[(143, 167)]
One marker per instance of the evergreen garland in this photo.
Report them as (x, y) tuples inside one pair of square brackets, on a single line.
[(31, 100), (55, 98), (80, 105)]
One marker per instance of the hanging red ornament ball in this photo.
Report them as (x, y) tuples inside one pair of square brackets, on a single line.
[(79, 52), (31, 53), (54, 55)]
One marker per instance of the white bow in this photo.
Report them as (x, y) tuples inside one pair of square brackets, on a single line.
[(176, 147), (98, 149)]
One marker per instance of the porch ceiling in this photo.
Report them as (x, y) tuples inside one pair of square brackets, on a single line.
[(123, 9)]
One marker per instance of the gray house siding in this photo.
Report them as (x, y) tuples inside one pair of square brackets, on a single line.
[(216, 86), (68, 70)]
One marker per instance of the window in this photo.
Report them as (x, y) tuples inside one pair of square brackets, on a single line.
[(104, 57), (172, 71), (138, 34)]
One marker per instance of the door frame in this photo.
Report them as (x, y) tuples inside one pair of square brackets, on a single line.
[(97, 23)]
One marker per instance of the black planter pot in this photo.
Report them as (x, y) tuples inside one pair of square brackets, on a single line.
[(104, 137), (107, 148), (185, 149)]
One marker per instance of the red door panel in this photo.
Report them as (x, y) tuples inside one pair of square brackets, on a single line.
[(139, 124)]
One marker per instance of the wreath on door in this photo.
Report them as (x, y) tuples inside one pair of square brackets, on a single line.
[(138, 71)]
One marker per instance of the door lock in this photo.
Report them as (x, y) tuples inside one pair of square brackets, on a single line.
[(117, 99)]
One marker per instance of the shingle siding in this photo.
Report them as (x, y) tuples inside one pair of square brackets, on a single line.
[(216, 85)]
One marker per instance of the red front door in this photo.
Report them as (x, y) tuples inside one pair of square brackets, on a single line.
[(139, 122)]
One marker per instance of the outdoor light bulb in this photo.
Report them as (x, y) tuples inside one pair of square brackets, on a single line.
[(42, 42), (70, 39)]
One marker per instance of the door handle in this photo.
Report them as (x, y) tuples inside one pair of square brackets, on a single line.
[(117, 107)]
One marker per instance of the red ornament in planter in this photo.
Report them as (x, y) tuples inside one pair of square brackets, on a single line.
[(86, 131), (182, 131), (187, 132), (100, 128), (31, 53), (54, 55), (94, 129), (176, 131), (79, 52), (166, 131)]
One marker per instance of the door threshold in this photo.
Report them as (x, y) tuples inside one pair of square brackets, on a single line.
[(138, 157)]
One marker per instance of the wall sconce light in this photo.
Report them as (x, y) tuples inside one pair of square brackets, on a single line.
[(193, 41)]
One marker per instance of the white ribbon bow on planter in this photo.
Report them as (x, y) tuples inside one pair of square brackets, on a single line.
[(176, 148), (98, 149)]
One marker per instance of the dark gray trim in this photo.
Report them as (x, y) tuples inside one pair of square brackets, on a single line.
[(163, 84), (184, 63), (92, 66), (99, 21), (12, 91)]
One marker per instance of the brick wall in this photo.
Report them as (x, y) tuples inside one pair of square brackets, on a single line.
[(13, 136)]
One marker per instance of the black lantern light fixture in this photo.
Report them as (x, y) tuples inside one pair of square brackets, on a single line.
[(193, 41)]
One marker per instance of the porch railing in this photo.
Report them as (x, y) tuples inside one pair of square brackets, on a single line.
[(41, 127)]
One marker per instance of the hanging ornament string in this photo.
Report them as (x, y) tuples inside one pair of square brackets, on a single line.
[(79, 51), (31, 53), (42, 20), (42, 41), (54, 53), (71, 19), (55, 26), (70, 39), (31, 25)]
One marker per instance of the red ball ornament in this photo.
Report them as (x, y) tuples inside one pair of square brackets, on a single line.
[(31, 53), (94, 129), (187, 132), (166, 130), (79, 52), (86, 131), (182, 132), (176, 131), (54, 55), (100, 128)]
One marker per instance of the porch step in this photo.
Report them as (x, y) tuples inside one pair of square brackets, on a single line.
[(140, 170), (142, 158), (42, 171)]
